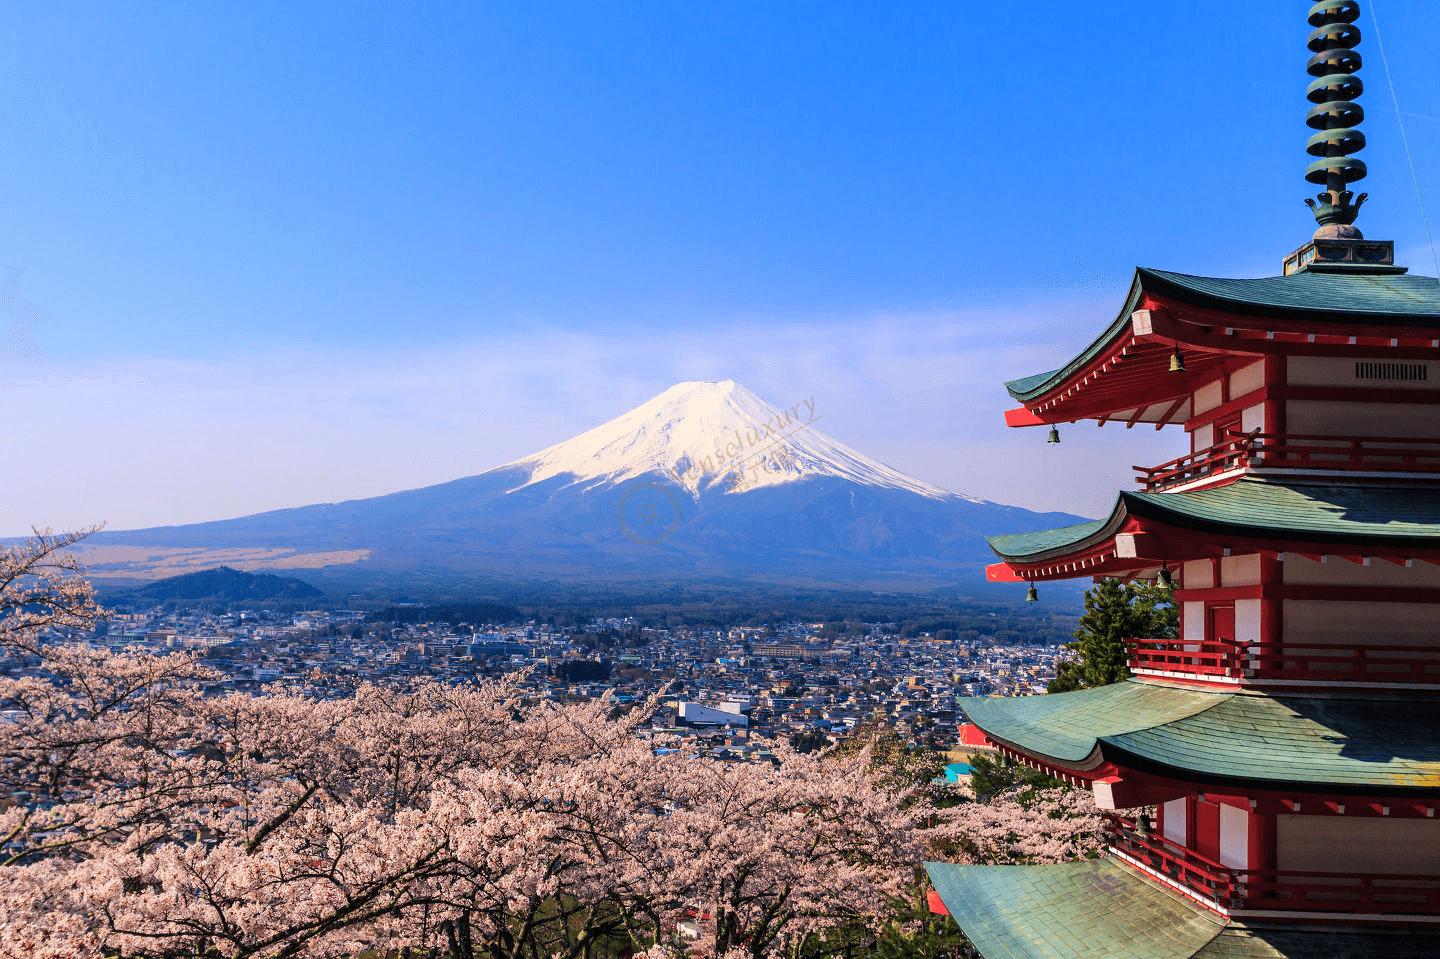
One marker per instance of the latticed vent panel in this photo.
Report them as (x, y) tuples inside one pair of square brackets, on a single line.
[(1395, 372)]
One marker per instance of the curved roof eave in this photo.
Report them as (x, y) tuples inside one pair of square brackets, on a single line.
[(1061, 541), (1029, 387)]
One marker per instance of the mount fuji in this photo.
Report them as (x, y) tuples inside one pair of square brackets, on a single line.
[(705, 482)]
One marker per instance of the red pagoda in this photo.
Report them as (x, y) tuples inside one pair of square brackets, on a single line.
[(1272, 776)]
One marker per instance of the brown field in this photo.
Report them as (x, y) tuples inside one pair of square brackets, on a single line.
[(158, 562)]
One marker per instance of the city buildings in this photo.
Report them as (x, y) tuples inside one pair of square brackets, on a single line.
[(868, 677), (1273, 775)]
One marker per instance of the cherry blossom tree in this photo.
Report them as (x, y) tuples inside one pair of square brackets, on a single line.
[(156, 815), (1022, 825)]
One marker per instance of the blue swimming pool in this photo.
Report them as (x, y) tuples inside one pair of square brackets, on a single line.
[(954, 771)]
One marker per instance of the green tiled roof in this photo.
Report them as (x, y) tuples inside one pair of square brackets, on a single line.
[(1080, 909), (1067, 726), (1318, 512), (1305, 510), (1040, 541), (1380, 745), (1085, 910), (1337, 297), (1351, 299)]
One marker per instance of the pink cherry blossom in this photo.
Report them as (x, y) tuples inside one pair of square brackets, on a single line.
[(156, 818)]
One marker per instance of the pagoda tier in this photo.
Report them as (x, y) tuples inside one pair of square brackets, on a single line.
[(1280, 584), (1145, 531), (1228, 334), (1267, 808)]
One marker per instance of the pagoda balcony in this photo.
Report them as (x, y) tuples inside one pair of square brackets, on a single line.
[(1239, 452), (1200, 657), (1319, 663), (1199, 874), (1261, 891), (1416, 665)]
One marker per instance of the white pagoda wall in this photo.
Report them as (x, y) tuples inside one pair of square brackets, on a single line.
[(1303, 571), (1175, 821), (1340, 371), (1234, 837), (1355, 845), (1343, 418), (1359, 622), (1213, 394), (1396, 420)]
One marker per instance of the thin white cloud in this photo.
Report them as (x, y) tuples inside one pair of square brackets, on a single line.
[(152, 442)]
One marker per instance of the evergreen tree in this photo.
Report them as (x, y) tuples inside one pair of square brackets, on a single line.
[(1114, 612), (992, 773)]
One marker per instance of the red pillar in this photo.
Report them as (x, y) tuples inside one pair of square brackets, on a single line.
[(1272, 607)]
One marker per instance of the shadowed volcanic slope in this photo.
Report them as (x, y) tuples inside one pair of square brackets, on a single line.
[(704, 482)]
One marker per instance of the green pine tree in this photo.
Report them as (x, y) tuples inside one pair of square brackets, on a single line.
[(1114, 612), (993, 773)]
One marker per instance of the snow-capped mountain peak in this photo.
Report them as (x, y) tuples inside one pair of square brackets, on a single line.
[(715, 436)]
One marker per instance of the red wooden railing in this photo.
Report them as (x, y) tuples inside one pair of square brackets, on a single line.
[(1274, 889), (1232, 452), (1295, 451), (1346, 452), (1340, 892), (1185, 866), (1202, 657), (1319, 663), (1355, 664)]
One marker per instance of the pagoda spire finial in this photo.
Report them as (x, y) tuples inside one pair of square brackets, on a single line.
[(1336, 116)]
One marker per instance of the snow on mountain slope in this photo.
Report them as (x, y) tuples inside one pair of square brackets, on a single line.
[(716, 437)]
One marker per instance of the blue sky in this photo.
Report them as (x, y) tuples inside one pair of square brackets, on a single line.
[(269, 254)]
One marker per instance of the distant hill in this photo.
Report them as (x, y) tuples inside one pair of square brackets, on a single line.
[(225, 584)]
